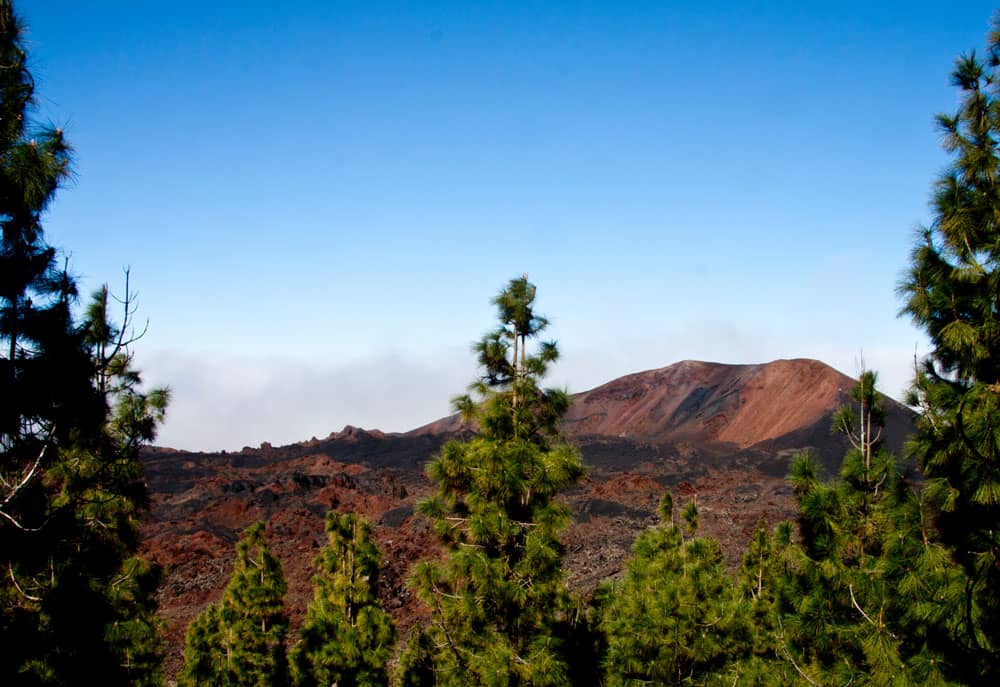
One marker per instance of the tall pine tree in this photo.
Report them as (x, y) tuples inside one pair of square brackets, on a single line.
[(952, 291), (74, 599), (498, 601)]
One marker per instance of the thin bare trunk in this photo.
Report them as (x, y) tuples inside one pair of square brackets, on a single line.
[(524, 345), (13, 330), (516, 370)]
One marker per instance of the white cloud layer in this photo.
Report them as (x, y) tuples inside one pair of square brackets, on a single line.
[(227, 403), (230, 402)]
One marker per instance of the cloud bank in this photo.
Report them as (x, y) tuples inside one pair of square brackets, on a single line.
[(228, 402)]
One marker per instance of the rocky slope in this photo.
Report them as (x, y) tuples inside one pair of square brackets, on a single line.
[(721, 434)]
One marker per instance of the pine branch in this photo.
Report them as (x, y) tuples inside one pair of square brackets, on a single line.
[(788, 655), (29, 597), (854, 601), (23, 483)]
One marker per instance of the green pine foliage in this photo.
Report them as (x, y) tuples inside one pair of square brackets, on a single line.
[(951, 292), (416, 663), (870, 599), (674, 617), (863, 595), (761, 655), (74, 598), (203, 657), (347, 638), (500, 611), (240, 640)]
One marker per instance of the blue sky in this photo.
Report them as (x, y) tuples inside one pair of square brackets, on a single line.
[(318, 199)]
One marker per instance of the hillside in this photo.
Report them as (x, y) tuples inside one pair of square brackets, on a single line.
[(723, 434)]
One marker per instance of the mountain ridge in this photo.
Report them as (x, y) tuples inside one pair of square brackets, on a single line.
[(742, 404)]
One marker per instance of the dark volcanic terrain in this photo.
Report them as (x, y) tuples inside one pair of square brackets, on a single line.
[(720, 434)]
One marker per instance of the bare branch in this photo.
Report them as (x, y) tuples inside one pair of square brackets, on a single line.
[(879, 625), (29, 597), (855, 442), (854, 601), (878, 484), (444, 628), (788, 655), (27, 478), (19, 525), (126, 334)]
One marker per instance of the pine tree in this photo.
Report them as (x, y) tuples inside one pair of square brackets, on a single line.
[(415, 667), (762, 655), (872, 598), (203, 656), (240, 641), (74, 599), (499, 605), (673, 617), (111, 490), (951, 291), (347, 638)]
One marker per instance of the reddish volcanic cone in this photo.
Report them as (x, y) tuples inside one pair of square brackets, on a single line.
[(696, 401)]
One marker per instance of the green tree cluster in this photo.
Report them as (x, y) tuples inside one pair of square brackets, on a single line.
[(346, 638), (871, 596), (674, 615), (858, 593), (74, 598)]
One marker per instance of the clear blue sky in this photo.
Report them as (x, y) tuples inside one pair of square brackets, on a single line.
[(318, 199)]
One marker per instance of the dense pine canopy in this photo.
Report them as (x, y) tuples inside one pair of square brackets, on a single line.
[(953, 291)]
